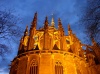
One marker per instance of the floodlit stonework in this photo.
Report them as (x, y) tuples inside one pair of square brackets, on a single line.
[(49, 51)]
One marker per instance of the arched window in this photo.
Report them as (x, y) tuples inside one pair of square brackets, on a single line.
[(34, 67), (58, 68)]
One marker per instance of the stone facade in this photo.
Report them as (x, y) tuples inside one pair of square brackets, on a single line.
[(49, 51)]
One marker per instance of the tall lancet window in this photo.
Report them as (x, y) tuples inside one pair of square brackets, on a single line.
[(34, 67), (58, 68)]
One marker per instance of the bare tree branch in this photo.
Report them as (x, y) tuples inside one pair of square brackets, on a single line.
[(9, 30), (91, 20)]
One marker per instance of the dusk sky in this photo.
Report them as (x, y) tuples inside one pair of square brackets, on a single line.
[(68, 10)]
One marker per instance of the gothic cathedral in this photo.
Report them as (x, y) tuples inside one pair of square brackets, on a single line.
[(49, 51)]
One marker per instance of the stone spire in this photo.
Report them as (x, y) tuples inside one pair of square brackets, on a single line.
[(23, 42), (46, 23), (60, 27), (59, 23), (33, 26), (69, 27), (47, 39), (61, 34), (34, 22), (32, 33), (20, 46), (52, 22)]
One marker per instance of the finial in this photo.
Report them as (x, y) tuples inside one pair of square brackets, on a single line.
[(69, 30), (60, 27), (46, 22), (35, 17), (34, 22), (69, 27), (59, 19), (46, 18), (52, 22), (26, 31), (59, 22)]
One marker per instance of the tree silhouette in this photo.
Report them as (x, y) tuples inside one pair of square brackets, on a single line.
[(8, 30), (91, 20)]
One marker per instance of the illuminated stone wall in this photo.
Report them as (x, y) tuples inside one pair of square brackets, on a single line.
[(49, 51), (47, 60)]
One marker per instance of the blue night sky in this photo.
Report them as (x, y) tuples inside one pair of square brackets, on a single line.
[(68, 10)]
